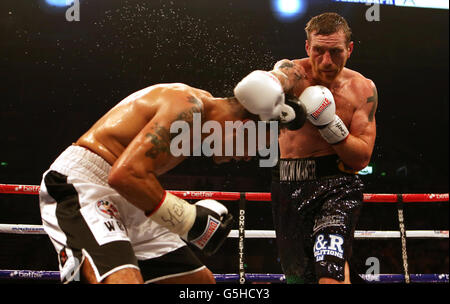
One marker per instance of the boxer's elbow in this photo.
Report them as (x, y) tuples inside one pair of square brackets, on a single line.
[(126, 178), (116, 178), (365, 157), (359, 163), (356, 152), (120, 177)]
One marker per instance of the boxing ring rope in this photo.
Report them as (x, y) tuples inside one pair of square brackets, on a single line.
[(232, 278), (263, 234), (255, 196), (241, 234)]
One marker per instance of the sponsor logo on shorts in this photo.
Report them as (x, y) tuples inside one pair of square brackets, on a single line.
[(328, 221), (107, 209), (298, 170), (211, 228), (325, 104), (110, 211), (328, 244)]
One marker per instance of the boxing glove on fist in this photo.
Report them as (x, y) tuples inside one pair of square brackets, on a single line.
[(299, 114), (211, 227), (321, 112), (205, 224), (261, 93)]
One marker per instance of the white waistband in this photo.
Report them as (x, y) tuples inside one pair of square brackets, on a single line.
[(80, 162)]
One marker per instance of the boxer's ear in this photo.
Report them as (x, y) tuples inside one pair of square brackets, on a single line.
[(350, 49), (307, 47)]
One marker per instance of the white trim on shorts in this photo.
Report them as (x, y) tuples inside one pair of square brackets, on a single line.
[(174, 275), (98, 277)]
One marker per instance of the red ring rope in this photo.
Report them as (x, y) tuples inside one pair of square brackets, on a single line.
[(254, 196)]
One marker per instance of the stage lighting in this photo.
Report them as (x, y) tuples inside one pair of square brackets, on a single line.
[(59, 3), (288, 10)]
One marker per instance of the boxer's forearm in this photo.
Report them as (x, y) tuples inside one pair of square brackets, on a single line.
[(141, 189), (354, 151)]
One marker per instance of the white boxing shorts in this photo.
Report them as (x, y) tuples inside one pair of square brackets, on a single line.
[(87, 219)]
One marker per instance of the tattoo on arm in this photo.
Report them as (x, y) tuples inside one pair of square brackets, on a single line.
[(291, 73), (286, 66), (160, 138), (374, 99)]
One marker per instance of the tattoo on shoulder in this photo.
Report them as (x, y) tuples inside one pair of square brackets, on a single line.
[(160, 138), (285, 65), (189, 114), (291, 73), (374, 100), (194, 100), (298, 76)]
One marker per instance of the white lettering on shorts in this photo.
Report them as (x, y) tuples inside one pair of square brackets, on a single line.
[(333, 246), (103, 219)]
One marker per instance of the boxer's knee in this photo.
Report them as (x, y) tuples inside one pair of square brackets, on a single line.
[(203, 276)]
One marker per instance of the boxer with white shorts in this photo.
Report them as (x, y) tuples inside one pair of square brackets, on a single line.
[(104, 208), (87, 219)]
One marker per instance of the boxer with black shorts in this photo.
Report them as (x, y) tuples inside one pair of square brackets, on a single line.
[(316, 193)]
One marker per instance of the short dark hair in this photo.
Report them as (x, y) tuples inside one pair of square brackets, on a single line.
[(327, 24)]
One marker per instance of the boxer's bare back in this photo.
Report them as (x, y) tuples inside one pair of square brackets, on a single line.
[(141, 122)]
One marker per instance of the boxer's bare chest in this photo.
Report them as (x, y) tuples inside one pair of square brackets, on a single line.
[(345, 96), (307, 141)]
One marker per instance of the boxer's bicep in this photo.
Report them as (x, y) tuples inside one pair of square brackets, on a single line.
[(373, 101), (363, 123), (133, 175), (156, 142), (145, 152)]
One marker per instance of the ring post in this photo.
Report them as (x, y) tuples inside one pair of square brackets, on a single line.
[(241, 238), (401, 224)]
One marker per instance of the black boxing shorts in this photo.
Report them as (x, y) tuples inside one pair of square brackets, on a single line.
[(316, 204)]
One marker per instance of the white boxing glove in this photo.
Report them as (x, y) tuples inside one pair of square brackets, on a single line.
[(205, 224), (321, 112), (261, 93)]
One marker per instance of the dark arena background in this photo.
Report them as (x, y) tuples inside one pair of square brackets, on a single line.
[(58, 77)]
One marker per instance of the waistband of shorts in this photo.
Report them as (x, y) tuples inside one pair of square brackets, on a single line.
[(313, 168), (80, 162)]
